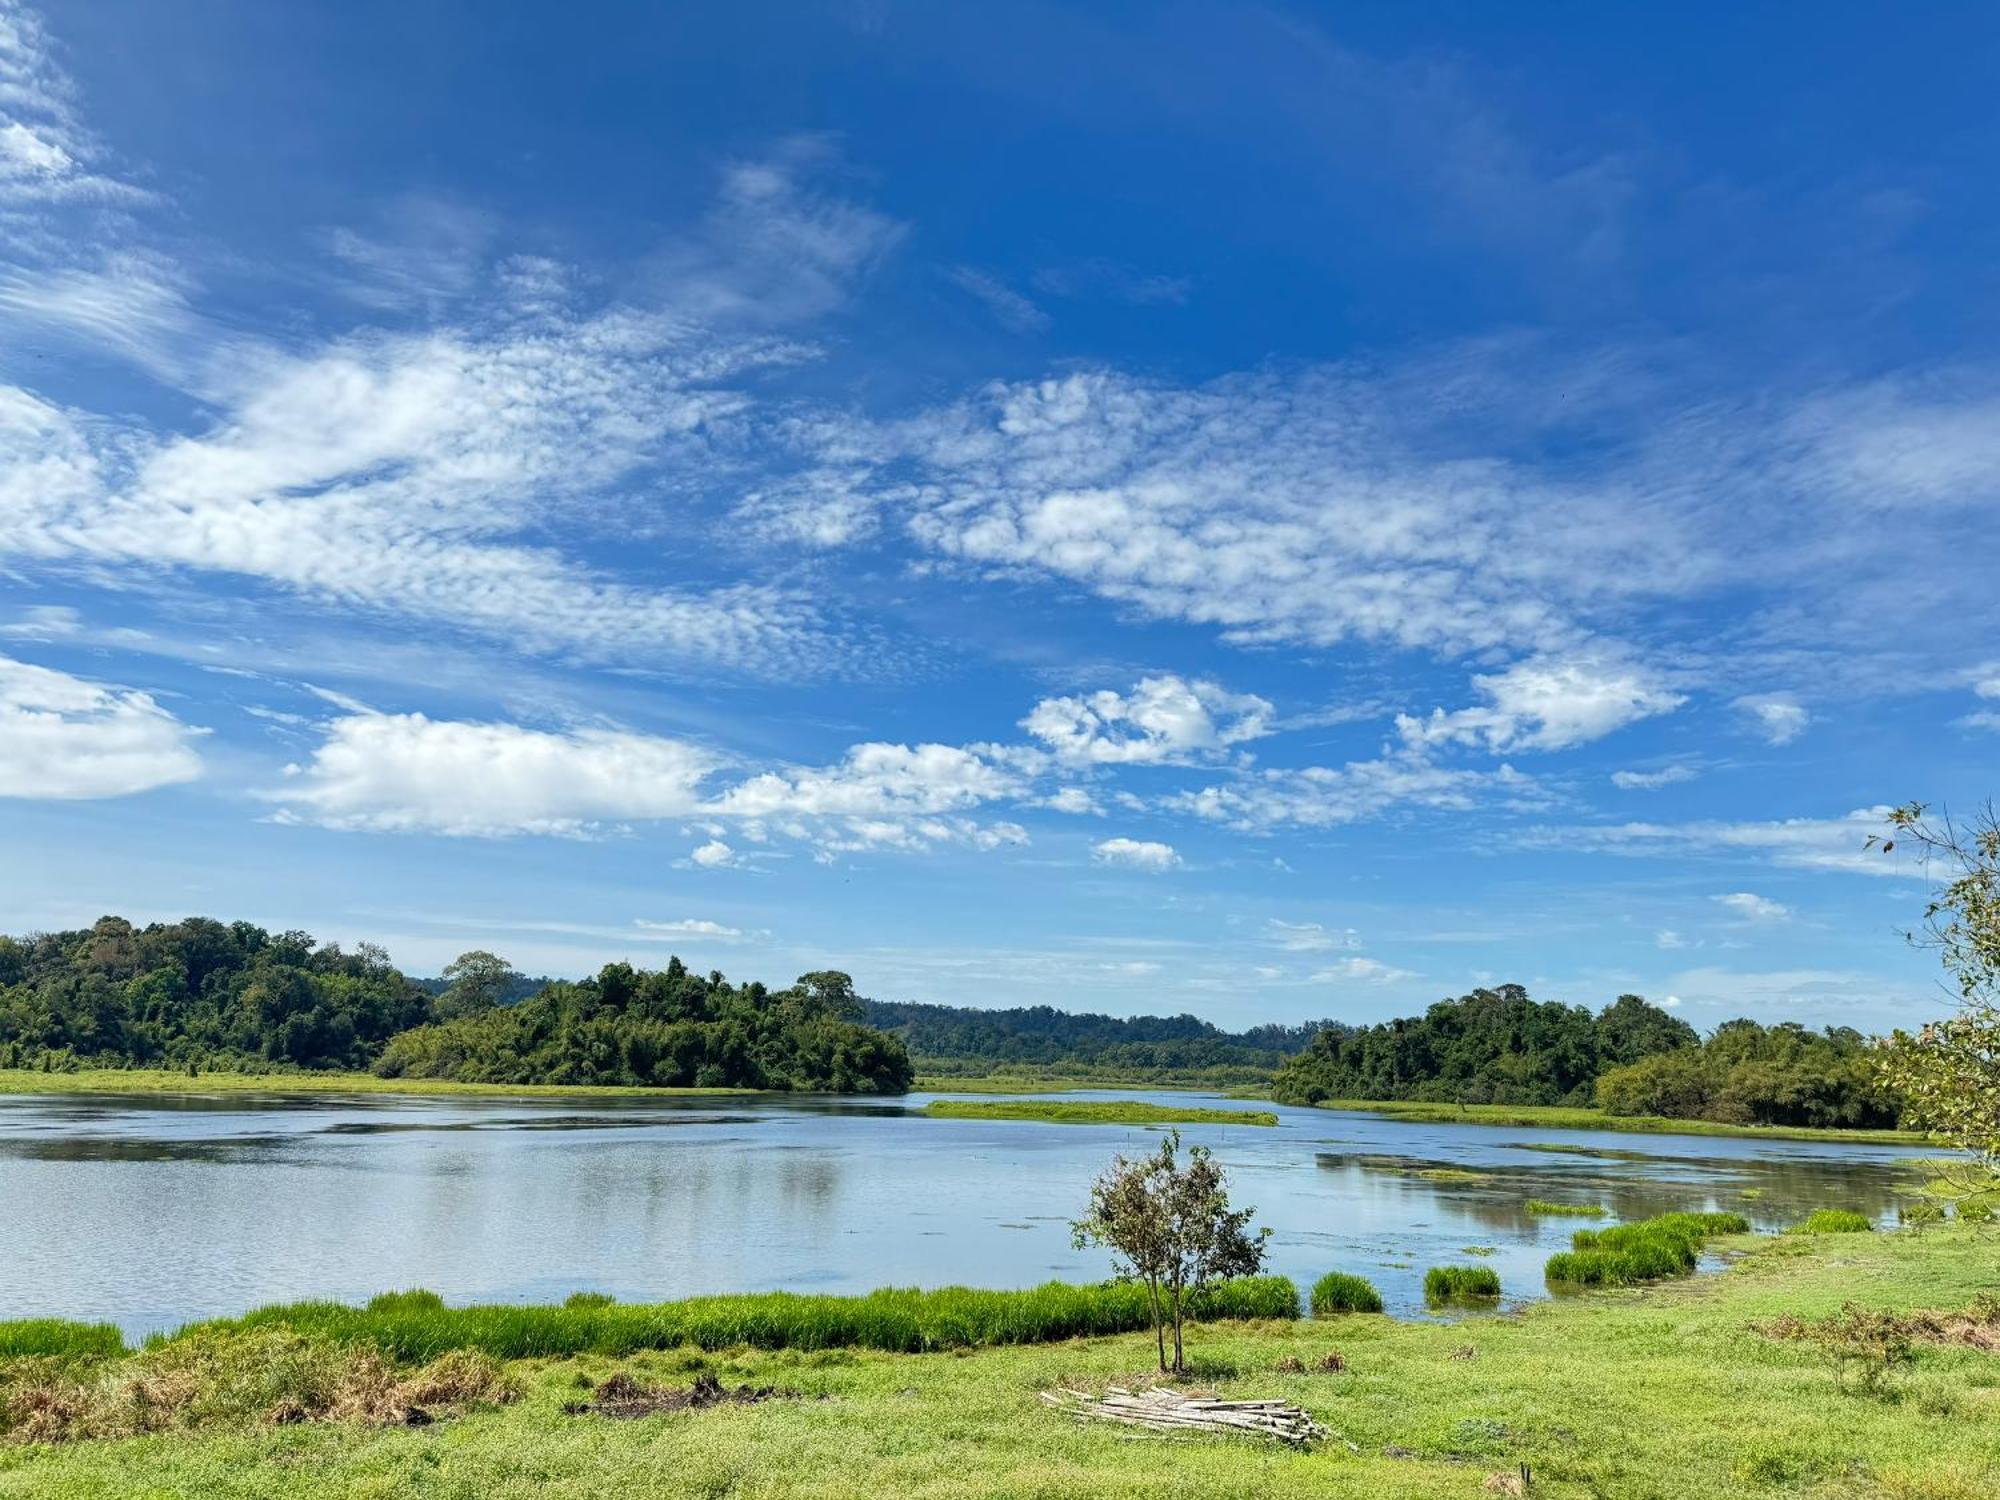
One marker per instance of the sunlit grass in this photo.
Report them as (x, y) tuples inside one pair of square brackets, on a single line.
[(1093, 1112)]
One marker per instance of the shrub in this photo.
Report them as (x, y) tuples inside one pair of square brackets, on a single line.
[(1542, 1207), (1338, 1292), (1460, 1283), (899, 1319), (1870, 1345), (1975, 1211), (1833, 1221)]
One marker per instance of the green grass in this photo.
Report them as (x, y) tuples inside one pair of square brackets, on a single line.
[(1338, 1292), (1648, 1250), (59, 1339), (1566, 1117), (1093, 1112), (1444, 1284), (1665, 1391), (418, 1326), (1543, 1208), (169, 1081), (1833, 1221)]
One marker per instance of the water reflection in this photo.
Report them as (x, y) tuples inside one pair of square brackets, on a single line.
[(152, 1211)]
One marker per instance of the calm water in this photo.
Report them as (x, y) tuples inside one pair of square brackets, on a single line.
[(151, 1212)]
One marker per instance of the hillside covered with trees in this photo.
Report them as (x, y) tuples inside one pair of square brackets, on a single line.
[(202, 994), (1496, 1046), (962, 1040), (1747, 1074)]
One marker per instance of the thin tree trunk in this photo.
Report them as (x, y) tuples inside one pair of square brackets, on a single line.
[(1180, 1362), (1159, 1324)]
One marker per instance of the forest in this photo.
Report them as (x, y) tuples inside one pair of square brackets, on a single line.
[(201, 994), (1747, 1074)]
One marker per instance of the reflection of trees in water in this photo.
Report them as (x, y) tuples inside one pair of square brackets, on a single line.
[(1773, 1193)]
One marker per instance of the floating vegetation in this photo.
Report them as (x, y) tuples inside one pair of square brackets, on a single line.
[(1543, 1208), (1093, 1112), (1648, 1250), (1443, 1284), (1833, 1221)]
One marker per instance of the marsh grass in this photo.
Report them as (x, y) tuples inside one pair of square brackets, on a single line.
[(1648, 1250), (1338, 1292), (58, 1338), (1444, 1284), (410, 1326), (1833, 1221), (1575, 1117), (1093, 1112), (1544, 1208)]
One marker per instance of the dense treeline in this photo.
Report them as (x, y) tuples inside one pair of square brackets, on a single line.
[(959, 1039), (1747, 1074), (1495, 1046), (668, 1028), (198, 992), (233, 997)]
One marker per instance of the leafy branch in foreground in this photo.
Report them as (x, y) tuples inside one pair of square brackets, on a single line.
[(1171, 1227), (1949, 1071)]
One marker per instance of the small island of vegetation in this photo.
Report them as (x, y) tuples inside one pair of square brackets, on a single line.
[(1093, 1112)]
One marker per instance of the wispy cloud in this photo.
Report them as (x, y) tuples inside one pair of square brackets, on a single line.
[(1010, 309), (1779, 717)]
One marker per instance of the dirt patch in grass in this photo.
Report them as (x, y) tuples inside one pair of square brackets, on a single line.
[(624, 1399)]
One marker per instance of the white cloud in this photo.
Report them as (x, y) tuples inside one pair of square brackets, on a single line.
[(63, 738), (1667, 938), (1325, 796), (1779, 717), (1308, 937), (44, 622), (1361, 971), (1754, 908), (1646, 781), (1074, 800), (1163, 720), (1010, 309), (691, 927), (1549, 703), (874, 781), (1792, 843), (1136, 854), (1137, 968), (715, 855), (405, 773)]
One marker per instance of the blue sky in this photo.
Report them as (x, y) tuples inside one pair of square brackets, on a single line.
[(1272, 512)]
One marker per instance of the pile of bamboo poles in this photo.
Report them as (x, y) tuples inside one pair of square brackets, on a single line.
[(1163, 1410)]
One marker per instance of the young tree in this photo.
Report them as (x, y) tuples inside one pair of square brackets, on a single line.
[(1171, 1227), (1949, 1072)]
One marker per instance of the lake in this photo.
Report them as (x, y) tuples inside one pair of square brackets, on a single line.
[(149, 1212)]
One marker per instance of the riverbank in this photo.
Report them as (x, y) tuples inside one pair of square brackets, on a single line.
[(1093, 1112), (1666, 1391), (168, 1081), (1563, 1117)]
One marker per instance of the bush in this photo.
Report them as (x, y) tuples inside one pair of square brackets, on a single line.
[(1975, 1211), (1460, 1283), (1833, 1221), (1338, 1292), (1543, 1208), (899, 1319)]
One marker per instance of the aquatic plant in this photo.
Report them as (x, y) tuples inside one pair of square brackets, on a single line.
[(1648, 1250), (1833, 1221), (899, 1319), (1460, 1283), (1544, 1208), (1094, 1112), (58, 1338), (1338, 1292)]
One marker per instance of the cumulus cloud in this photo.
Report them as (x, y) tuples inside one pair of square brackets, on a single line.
[(1135, 854), (1779, 717), (715, 855), (1164, 719), (1754, 908), (63, 738), (1548, 703)]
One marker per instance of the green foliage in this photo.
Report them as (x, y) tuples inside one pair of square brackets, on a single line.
[(1747, 1074), (1865, 1346), (1093, 1112), (1444, 1284), (1489, 1047), (947, 1039), (58, 1338), (900, 1319), (1171, 1229), (1833, 1221), (1543, 1208), (666, 1028), (1338, 1292), (1647, 1250)]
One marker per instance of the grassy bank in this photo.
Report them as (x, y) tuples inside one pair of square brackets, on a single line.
[(1663, 1392), (168, 1081), (1563, 1117), (1093, 1112)]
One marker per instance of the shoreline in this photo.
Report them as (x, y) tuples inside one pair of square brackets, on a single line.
[(1570, 1117)]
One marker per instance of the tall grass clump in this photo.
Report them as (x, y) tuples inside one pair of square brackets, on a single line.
[(1648, 1250), (1338, 1292), (1543, 1208), (1460, 1283), (1833, 1221), (902, 1320), (57, 1338)]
